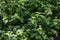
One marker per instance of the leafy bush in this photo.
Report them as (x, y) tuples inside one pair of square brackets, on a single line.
[(29, 19)]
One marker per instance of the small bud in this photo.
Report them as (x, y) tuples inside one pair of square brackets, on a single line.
[(11, 1), (3, 2), (38, 12), (56, 17), (28, 30), (46, 11), (33, 17), (39, 26), (18, 5), (16, 14), (14, 1)]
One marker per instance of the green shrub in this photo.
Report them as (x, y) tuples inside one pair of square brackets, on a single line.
[(29, 19)]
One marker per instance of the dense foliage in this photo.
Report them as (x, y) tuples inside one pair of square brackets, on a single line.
[(29, 19)]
